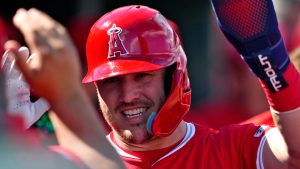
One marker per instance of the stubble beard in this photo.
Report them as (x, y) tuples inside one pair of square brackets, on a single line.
[(131, 136)]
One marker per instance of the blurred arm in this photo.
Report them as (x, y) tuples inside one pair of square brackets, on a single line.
[(53, 71)]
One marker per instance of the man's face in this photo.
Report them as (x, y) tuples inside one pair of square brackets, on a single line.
[(127, 102)]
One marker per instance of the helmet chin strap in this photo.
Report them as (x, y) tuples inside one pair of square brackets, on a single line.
[(150, 122)]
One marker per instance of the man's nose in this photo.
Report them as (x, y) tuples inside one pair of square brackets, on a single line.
[(129, 90)]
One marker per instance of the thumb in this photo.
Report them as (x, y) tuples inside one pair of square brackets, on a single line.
[(6, 61), (24, 52)]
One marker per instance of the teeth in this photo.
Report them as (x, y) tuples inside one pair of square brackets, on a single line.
[(134, 113)]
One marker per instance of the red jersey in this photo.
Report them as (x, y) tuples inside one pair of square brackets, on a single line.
[(264, 118), (232, 147)]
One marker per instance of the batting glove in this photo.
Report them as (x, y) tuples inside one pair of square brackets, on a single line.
[(18, 91)]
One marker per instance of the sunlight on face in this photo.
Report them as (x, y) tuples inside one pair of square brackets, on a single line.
[(127, 101)]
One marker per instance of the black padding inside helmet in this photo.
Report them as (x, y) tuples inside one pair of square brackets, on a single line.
[(169, 78)]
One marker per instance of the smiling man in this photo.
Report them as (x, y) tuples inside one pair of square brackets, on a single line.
[(139, 69), (137, 63), (136, 97)]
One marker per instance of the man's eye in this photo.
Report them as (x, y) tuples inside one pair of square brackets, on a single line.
[(142, 75), (112, 80)]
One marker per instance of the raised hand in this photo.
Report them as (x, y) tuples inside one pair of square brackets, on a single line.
[(53, 70), (252, 28)]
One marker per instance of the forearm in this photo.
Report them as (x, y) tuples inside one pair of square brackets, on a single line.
[(262, 48), (55, 57), (76, 111), (79, 129), (288, 124), (285, 108)]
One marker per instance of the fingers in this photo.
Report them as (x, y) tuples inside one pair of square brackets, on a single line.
[(23, 22), (21, 62), (44, 20), (24, 52), (8, 65), (7, 58), (26, 22), (11, 44), (54, 55), (37, 28), (6, 61)]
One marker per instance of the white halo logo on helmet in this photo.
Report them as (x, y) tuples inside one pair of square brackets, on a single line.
[(116, 47)]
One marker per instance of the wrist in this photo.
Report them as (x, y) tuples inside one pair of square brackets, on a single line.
[(69, 96), (269, 65), (288, 98)]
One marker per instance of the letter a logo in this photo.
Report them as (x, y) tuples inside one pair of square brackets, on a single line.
[(116, 47)]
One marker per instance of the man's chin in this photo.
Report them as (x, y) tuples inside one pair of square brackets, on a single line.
[(136, 136)]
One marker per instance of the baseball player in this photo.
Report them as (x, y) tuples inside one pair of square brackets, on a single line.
[(138, 66)]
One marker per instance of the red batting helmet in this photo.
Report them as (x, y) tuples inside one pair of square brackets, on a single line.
[(135, 39)]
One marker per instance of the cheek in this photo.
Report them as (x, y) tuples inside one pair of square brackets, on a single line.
[(155, 91), (105, 111), (161, 97), (103, 105), (107, 98)]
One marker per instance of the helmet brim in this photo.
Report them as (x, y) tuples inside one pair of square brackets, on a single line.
[(121, 67)]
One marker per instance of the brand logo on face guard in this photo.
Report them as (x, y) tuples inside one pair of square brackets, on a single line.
[(116, 47)]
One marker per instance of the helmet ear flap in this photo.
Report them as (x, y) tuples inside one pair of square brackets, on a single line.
[(169, 83), (175, 107)]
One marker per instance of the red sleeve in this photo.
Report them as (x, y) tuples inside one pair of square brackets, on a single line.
[(238, 146)]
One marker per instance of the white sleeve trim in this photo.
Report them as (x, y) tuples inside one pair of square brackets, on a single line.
[(188, 136), (259, 158)]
